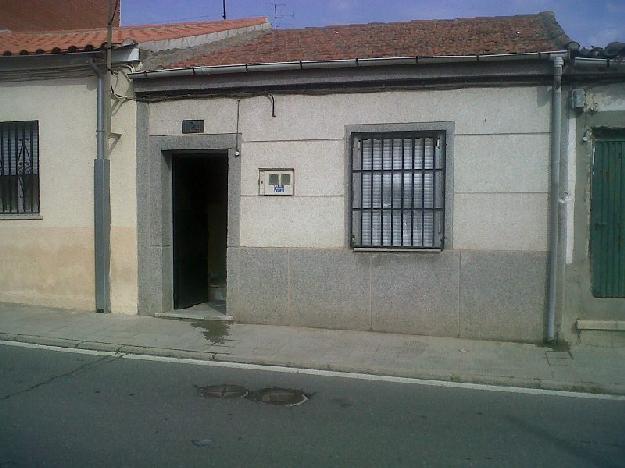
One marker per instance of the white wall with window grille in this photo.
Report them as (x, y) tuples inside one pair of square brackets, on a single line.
[(19, 167), (398, 190)]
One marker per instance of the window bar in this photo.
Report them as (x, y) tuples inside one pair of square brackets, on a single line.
[(10, 174), (7, 158), (11, 180), (371, 197), (423, 193), (382, 192), (443, 165), (7, 186), (32, 172), (17, 166), (37, 178), (362, 186), (401, 227), (2, 200), (392, 193), (434, 211), (17, 178), (412, 196), (24, 172)]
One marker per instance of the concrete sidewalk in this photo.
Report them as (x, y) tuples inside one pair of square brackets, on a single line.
[(582, 369)]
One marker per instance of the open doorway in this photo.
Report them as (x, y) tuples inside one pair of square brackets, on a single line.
[(200, 231)]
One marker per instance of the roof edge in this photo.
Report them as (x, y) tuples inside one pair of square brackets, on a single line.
[(343, 63)]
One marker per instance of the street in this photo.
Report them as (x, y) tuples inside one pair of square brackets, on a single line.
[(70, 409)]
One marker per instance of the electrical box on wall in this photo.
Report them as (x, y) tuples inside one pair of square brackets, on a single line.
[(578, 99), (275, 182)]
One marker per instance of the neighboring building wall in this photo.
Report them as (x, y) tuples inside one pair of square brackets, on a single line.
[(605, 107), (293, 264), (50, 260)]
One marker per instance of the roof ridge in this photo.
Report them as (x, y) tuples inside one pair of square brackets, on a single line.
[(431, 20), (186, 23)]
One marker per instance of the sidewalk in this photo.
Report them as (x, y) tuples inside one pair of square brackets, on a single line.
[(583, 369)]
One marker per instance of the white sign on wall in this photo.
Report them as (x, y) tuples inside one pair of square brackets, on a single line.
[(275, 182)]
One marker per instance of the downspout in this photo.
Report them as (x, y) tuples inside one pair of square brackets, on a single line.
[(101, 177), (102, 210), (554, 205)]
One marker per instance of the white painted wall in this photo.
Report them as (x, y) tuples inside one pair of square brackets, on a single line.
[(606, 98), (124, 259), (50, 261), (501, 160)]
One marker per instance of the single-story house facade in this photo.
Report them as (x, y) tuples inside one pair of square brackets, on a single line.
[(391, 177)]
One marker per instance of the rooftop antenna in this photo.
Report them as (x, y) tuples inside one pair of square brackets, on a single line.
[(224, 7)]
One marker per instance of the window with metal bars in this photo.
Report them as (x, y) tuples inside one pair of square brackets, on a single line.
[(19, 167), (398, 190)]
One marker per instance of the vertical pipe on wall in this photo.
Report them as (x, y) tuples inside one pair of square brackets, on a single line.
[(101, 211), (101, 176), (554, 203)]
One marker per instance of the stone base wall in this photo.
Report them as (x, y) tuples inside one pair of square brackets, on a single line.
[(496, 295)]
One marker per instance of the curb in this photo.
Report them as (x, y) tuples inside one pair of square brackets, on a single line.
[(469, 378)]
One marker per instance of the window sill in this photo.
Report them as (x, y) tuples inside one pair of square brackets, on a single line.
[(25, 216), (395, 250)]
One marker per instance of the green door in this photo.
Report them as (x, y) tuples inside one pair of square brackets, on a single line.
[(607, 218)]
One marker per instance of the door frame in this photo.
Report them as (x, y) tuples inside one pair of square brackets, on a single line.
[(154, 209)]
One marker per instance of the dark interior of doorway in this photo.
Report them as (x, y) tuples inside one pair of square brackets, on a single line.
[(200, 220)]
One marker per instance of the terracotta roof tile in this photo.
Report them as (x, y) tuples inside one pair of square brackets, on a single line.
[(46, 15), (12, 43), (464, 36)]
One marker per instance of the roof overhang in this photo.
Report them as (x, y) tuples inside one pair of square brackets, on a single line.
[(346, 63), (346, 75), (65, 63)]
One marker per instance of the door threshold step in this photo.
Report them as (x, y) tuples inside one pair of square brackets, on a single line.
[(195, 315)]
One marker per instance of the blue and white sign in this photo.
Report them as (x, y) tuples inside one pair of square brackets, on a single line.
[(275, 181)]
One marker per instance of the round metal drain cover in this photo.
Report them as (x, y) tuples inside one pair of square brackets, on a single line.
[(223, 391), (278, 396)]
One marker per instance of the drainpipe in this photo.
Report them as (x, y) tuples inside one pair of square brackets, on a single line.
[(554, 208), (102, 209), (101, 176)]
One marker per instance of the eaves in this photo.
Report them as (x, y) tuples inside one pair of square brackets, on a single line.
[(46, 66), (328, 77)]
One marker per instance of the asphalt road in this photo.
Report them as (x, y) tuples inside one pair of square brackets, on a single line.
[(66, 409)]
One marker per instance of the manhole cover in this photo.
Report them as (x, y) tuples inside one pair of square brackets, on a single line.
[(222, 391), (278, 396)]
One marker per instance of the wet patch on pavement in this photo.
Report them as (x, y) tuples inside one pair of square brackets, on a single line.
[(215, 331)]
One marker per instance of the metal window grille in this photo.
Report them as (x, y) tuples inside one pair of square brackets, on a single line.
[(398, 190), (19, 167)]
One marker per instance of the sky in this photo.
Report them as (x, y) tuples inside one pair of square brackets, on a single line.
[(590, 22)]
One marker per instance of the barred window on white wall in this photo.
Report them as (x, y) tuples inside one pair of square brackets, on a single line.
[(19, 167), (398, 190)]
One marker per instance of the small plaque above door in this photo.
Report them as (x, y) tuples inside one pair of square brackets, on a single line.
[(192, 126)]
